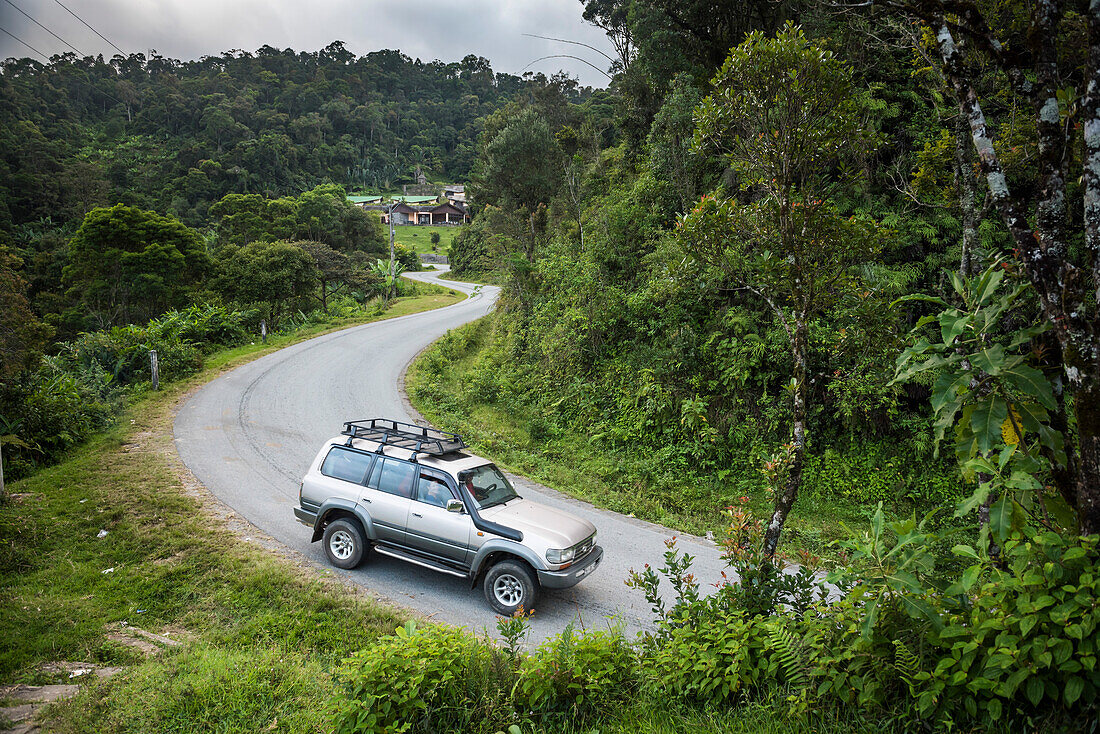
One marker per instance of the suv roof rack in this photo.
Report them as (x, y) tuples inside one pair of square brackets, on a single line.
[(417, 439)]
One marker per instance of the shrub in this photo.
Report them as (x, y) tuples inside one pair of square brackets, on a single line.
[(50, 410), (123, 352), (577, 676), (204, 326), (709, 653), (429, 679)]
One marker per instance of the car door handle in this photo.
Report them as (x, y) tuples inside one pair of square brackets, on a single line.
[(366, 500), (417, 514)]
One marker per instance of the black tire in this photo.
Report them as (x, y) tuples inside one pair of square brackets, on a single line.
[(344, 543), (508, 586)]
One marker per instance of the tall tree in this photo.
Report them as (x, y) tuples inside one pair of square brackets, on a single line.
[(273, 273), (785, 116), (22, 335), (129, 265)]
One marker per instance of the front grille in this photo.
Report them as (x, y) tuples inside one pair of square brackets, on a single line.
[(584, 548)]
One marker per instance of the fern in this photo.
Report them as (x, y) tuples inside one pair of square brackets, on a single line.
[(908, 666), (791, 653)]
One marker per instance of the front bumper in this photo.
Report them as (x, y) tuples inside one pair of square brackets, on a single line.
[(572, 575), (305, 516)]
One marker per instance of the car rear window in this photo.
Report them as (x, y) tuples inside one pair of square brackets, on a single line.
[(351, 466), (397, 478)]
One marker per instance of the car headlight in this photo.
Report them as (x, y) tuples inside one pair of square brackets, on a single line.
[(561, 555)]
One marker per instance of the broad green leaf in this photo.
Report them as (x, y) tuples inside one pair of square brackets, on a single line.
[(918, 608), (970, 577), (959, 284), (1031, 382), (920, 297), (952, 323), (1023, 481), (965, 550), (991, 359), (1000, 517), (946, 389), (1074, 687), (987, 284), (1034, 691), (986, 420), (1054, 441)]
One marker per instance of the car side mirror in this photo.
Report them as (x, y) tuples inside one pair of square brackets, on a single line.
[(456, 506)]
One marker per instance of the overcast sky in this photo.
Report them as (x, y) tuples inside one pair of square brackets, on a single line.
[(188, 29)]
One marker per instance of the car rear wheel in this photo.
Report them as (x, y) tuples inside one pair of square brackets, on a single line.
[(508, 586), (344, 543)]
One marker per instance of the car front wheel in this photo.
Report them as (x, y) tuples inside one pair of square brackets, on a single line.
[(508, 586), (344, 543)]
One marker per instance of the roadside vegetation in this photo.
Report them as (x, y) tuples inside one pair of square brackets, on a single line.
[(113, 537)]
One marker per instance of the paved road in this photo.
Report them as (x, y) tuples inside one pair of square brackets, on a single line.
[(250, 435)]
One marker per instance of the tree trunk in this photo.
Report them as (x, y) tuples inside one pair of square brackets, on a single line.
[(1058, 283), (1087, 408), (968, 191), (784, 501), (1090, 113)]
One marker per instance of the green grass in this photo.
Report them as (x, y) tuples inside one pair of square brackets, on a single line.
[(260, 634), (419, 237)]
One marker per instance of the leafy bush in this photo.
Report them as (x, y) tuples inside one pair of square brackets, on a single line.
[(577, 676), (123, 353), (709, 653), (205, 326), (45, 412), (429, 679)]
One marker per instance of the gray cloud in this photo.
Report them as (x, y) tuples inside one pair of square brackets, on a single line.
[(189, 29)]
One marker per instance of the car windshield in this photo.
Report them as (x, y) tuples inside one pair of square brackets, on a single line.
[(488, 486)]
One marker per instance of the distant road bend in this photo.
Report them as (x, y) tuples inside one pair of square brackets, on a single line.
[(250, 434)]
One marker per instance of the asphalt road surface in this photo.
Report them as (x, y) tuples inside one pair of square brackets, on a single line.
[(249, 436)]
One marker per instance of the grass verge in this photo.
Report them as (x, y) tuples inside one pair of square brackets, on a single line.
[(116, 537)]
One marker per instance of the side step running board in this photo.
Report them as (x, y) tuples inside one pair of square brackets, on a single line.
[(424, 562)]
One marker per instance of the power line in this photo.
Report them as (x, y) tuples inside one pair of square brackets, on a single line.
[(47, 58), (562, 40), (93, 30), (74, 48), (32, 48)]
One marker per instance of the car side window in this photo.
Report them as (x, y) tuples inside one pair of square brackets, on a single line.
[(433, 491), (397, 478), (351, 466)]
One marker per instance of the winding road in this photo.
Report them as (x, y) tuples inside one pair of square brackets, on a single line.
[(250, 434)]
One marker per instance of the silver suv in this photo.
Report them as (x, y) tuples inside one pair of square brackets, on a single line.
[(412, 493)]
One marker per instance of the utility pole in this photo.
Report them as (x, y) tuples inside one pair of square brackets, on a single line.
[(392, 276)]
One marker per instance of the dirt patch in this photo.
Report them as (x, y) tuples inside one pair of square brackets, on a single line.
[(18, 717), (147, 642)]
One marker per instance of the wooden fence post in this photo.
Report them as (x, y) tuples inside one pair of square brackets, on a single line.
[(154, 368)]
